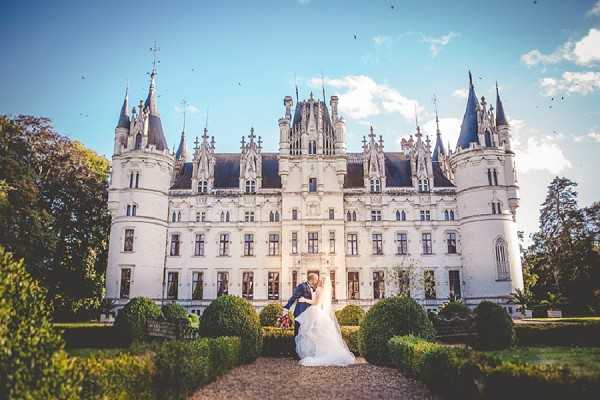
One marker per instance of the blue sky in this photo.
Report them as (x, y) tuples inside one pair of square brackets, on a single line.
[(239, 60)]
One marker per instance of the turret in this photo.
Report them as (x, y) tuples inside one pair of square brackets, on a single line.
[(123, 125)]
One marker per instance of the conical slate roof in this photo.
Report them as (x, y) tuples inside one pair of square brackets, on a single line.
[(124, 116), (181, 153), (468, 128), (156, 135), (439, 148), (500, 116)]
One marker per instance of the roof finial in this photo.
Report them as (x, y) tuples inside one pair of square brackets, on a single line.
[(296, 84), (470, 78), (417, 121), (437, 120), (206, 122), (184, 104), (323, 87), (154, 49)]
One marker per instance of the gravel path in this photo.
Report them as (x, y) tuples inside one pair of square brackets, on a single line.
[(283, 378)]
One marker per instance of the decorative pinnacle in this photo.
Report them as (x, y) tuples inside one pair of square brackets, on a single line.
[(364, 141), (212, 142), (205, 134), (371, 134), (437, 120), (243, 141), (259, 142), (196, 143), (252, 135)]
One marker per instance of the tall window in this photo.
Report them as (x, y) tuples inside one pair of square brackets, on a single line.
[(274, 216), (294, 214), (502, 260), (332, 242), (294, 243), (224, 244), (429, 283), (312, 184), (294, 279), (227, 216), (400, 215), (331, 214), (451, 242), (403, 283), (401, 243), (446, 215), (425, 215), (222, 283), (354, 216), (128, 245), (375, 215), (248, 285), (131, 176), (375, 185), (125, 283), (312, 147), (198, 216), (249, 216), (313, 242), (495, 177), (492, 175), (348, 216), (250, 186), (274, 244), (248, 244), (199, 245), (377, 239), (138, 141), (128, 212), (353, 286), (424, 185), (175, 244), (273, 289), (222, 216), (197, 285), (496, 208), (137, 180), (352, 239), (172, 285), (332, 278), (426, 243), (203, 187), (378, 285), (454, 283)]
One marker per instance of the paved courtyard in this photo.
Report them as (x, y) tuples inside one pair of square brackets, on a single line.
[(283, 378)]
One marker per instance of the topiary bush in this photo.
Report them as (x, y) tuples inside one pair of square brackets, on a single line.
[(233, 316), (194, 321), (391, 317), (269, 314), (32, 363), (495, 330), (173, 312), (454, 309), (351, 315), (130, 323)]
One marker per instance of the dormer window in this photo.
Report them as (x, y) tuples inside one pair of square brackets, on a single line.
[(424, 185), (203, 187), (250, 186), (312, 147), (312, 184), (138, 141), (375, 185)]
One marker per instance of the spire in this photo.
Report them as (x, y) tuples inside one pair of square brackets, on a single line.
[(417, 122), (500, 117), (181, 153), (124, 116), (156, 135), (468, 128), (439, 144), (151, 99)]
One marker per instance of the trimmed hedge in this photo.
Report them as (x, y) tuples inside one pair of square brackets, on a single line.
[(130, 323), (494, 327), (278, 342), (270, 314), (96, 336), (458, 373), (558, 333), (351, 335), (454, 309), (351, 315), (173, 312)]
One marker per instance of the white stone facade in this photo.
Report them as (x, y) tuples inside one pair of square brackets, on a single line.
[(252, 223)]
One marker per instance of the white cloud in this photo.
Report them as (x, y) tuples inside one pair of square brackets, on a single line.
[(381, 40), (361, 97), (571, 82), (460, 93), (595, 10), (436, 44), (449, 127), (588, 137), (585, 52)]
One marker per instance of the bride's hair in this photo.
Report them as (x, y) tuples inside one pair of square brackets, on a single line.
[(322, 281)]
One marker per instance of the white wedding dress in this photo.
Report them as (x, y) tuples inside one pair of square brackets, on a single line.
[(319, 341)]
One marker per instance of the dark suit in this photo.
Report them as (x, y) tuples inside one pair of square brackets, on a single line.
[(302, 290)]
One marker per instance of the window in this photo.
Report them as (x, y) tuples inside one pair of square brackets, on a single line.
[(227, 216), (273, 289), (451, 215), (351, 216), (197, 285), (128, 212), (502, 260), (353, 286), (222, 216), (375, 185), (425, 215), (312, 147), (198, 216), (133, 210), (224, 244), (274, 244), (138, 141), (377, 239), (294, 279), (203, 187), (222, 283), (352, 239), (249, 216), (179, 216), (331, 214), (128, 245), (203, 216), (174, 217), (489, 176), (312, 184), (294, 243), (429, 284), (250, 186), (294, 214), (248, 244), (454, 284), (424, 185), (401, 243), (403, 283), (248, 285), (131, 180), (451, 241), (313, 242), (125, 283), (137, 180), (199, 245), (354, 216), (426, 243), (331, 242), (400, 215), (172, 285), (378, 285), (446, 215), (332, 278), (274, 216), (496, 208), (495, 176), (175, 244), (492, 176), (375, 215)]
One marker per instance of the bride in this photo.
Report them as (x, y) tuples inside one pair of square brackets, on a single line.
[(319, 341)]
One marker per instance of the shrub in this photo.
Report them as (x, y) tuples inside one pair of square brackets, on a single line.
[(89, 335), (494, 327), (350, 315), (32, 363), (173, 312), (454, 309), (270, 313), (558, 333), (224, 355), (194, 321), (278, 342), (351, 335), (234, 316), (130, 323), (391, 317)]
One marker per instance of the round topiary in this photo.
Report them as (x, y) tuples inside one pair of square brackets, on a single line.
[(233, 316), (130, 323), (270, 313), (173, 312), (454, 309), (399, 315), (350, 315), (495, 330)]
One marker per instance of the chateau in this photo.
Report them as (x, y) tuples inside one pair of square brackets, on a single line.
[(427, 221)]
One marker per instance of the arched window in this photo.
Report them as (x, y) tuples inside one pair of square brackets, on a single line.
[(203, 187), (502, 260), (451, 215), (488, 139), (348, 216), (227, 216), (174, 217), (138, 141), (128, 213), (133, 210), (312, 147), (446, 215), (271, 217), (353, 215), (424, 185), (222, 216), (398, 216), (179, 216), (276, 216), (403, 213)]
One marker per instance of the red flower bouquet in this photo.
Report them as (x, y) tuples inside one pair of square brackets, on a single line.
[(284, 321)]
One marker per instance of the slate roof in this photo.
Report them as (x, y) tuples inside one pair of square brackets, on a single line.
[(156, 135), (500, 116), (468, 128)]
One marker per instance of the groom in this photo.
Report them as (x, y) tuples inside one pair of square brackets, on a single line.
[(305, 290)]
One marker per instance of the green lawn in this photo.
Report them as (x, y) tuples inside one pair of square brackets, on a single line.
[(582, 360)]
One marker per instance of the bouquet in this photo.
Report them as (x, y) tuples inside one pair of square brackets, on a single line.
[(284, 321)]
